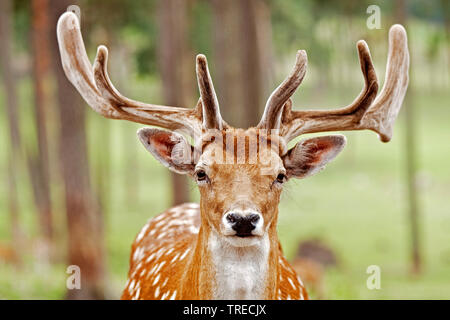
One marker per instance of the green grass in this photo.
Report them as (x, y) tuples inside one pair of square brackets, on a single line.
[(358, 206)]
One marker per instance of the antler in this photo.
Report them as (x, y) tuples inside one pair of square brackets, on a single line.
[(212, 118), (272, 112), (367, 111), (95, 87)]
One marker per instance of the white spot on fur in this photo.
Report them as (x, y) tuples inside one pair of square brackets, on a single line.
[(175, 258), (160, 266), (131, 287), (185, 254), (160, 252), (300, 281), (138, 292), (193, 229), (152, 271), (161, 235), (292, 283), (150, 257), (161, 216), (135, 254), (142, 233), (164, 296), (160, 224), (156, 280)]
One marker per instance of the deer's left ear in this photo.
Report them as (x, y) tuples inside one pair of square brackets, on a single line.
[(311, 155), (169, 148)]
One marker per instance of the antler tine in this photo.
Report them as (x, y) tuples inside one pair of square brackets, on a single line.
[(367, 111), (382, 114), (274, 106), (73, 54), (95, 87), (210, 105)]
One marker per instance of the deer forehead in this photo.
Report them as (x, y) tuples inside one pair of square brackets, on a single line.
[(235, 150)]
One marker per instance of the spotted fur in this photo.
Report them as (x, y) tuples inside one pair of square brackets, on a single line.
[(164, 250)]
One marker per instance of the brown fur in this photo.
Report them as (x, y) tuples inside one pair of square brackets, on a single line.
[(191, 277)]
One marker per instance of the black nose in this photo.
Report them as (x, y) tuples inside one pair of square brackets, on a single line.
[(243, 225)]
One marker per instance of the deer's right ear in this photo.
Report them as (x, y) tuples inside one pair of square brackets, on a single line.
[(169, 148)]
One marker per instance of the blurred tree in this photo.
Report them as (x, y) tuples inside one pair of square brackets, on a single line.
[(39, 161), (11, 106), (106, 35), (173, 55), (256, 46), (400, 15), (446, 12), (125, 28), (84, 218), (226, 60), (125, 23), (243, 58)]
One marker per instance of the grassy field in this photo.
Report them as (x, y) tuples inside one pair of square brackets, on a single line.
[(358, 207)]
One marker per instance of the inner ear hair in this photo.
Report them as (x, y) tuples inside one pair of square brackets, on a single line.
[(169, 148), (310, 156)]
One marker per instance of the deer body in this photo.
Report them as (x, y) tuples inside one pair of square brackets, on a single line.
[(195, 264), (227, 247)]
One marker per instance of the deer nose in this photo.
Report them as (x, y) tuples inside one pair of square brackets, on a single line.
[(243, 225)]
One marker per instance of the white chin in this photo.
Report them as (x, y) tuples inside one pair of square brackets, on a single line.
[(243, 241)]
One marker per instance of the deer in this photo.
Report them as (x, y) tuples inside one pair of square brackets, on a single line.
[(227, 246)]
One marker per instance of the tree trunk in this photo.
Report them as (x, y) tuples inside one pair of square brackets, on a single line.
[(226, 60), (131, 177), (102, 186), (84, 218), (243, 58), (9, 82), (173, 49), (411, 157), (446, 12), (39, 162), (250, 63)]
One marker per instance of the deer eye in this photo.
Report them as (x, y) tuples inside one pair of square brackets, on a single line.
[(201, 175), (281, 178)]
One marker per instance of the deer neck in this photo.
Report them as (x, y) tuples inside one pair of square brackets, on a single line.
[(219, 270)]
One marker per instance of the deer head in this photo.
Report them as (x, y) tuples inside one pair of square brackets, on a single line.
[(241, 172)]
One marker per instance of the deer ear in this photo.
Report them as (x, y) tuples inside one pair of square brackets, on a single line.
[(311, 155), (169, 148)]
